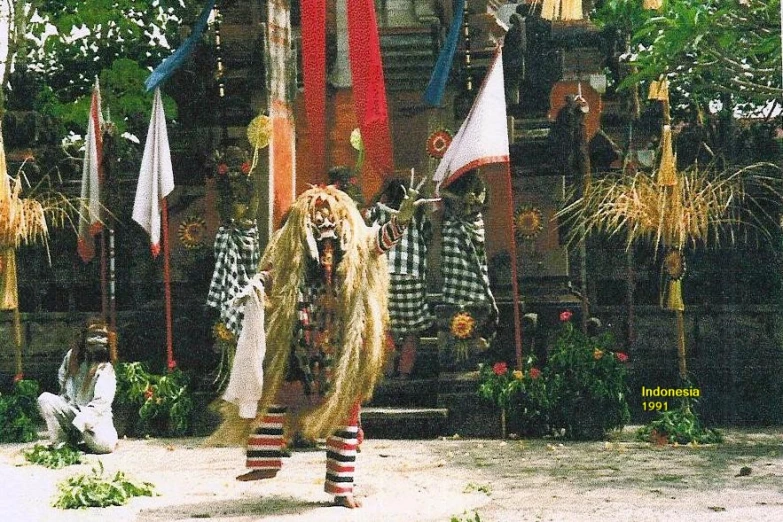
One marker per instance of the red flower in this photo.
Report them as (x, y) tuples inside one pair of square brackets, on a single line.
[(148, 393), (352, 180), (172, 364), (565, 316), (245, 168), (18, 377), (622, 357), (500, 368), (535, 373), (222, 169)]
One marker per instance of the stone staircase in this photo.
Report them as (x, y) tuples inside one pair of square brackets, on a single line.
[(409, 55), (433, 403)]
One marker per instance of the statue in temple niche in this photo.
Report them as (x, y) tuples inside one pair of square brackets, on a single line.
[(568, 140), (514, 49), (529, 64)]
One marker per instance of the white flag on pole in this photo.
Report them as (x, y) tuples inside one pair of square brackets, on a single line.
[(156, 178), (483, 136), (90, 200)]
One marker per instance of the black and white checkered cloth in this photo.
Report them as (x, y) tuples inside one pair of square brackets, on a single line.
[(464, 262), (237, 253), (409, 310)]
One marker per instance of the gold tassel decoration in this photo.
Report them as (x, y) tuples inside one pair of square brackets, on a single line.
[(652, 4), (667, 169), (659, 90), (673, 296), (672, 272), (9, 298)]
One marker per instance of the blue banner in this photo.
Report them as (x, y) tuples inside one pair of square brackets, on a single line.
[(172, 63), (436, 88)]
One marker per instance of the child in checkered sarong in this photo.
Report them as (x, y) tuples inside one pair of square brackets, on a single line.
[(409, 311), (463, 253)]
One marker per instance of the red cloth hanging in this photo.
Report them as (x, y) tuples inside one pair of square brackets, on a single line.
[(313, 22), (368, 85)]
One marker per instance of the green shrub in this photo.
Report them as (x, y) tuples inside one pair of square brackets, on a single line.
[(19, 413), (162, 402), (54, 457), (522, 394), (679, 425), (586, 384), (98, 490)]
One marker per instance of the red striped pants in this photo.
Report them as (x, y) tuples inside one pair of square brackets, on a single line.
[(265, 449)]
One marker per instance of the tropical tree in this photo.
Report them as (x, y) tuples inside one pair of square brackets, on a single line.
[(711, 51), (56, 49)]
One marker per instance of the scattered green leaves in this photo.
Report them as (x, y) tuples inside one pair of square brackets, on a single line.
[(466, 518), (54, 457), (481, 488), (98, 490)]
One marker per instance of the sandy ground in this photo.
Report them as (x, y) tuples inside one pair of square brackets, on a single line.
[(446, 480)]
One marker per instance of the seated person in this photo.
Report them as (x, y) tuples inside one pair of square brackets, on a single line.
[(81, 414)]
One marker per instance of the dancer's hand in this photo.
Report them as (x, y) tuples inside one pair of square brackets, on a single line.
[(409, 204)]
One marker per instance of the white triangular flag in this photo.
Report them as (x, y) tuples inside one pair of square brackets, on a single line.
[(483, 136), (90, 200), (156, 178)]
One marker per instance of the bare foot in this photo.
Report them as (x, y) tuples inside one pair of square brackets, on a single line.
[(347, 501), (257, 474)]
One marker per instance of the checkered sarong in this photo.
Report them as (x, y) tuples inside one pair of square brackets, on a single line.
[(409, 310), (464, 263), (237, 254)]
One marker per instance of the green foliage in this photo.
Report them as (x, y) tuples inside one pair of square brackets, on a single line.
[(19, 411), (163, 402), (116, 41), (678, 426), (466, 518), (706, 47), (54, 457), (586, 383), (122, 93), (98, 490)]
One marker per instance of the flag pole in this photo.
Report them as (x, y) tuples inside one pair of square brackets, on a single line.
[(170, 363), (512, 247)]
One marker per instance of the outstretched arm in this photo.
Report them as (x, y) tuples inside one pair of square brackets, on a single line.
[(391, 232)]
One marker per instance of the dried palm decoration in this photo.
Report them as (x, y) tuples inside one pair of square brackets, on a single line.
[(23, 221), (672, 210), (701, 209)]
